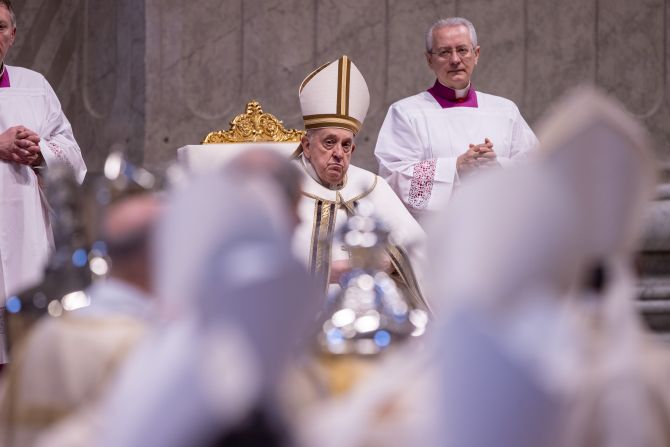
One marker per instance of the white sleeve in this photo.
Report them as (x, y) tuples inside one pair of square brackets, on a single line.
[(523, 141), (407, 164), (57, 141), (406, 231)]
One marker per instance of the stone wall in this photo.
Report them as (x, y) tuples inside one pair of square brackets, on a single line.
[(154, 75), (157, 74), (93, 54)]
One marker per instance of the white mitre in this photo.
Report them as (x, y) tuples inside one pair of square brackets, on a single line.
[(334, 95)]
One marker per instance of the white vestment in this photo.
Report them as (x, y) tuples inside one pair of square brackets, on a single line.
[(420, 141), (66, 362), (25, 232), (390, 402), (323, 211), (551, 350), (246, 306)]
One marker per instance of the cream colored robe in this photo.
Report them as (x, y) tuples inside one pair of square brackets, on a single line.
[(66, 362), (323, 211)]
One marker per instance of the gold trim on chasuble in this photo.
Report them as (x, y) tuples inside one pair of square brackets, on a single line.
[(405, 272), (325, 213), (323, 232)]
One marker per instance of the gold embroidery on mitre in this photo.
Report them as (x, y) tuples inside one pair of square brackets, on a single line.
[(254, 126), (344, 81), (331, 120), (310, 76)]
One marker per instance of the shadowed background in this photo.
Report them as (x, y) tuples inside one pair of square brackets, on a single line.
[(154, 75)]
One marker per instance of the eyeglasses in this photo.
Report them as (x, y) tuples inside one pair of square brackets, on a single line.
[(445, 53)]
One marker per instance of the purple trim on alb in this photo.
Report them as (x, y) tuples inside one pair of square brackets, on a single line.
[(446, 96), (4, 79)]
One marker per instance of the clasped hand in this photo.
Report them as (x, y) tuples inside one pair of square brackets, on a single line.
[(19, 144), (478, 156)]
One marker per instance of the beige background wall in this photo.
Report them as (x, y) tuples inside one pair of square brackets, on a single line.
[(154, 75)]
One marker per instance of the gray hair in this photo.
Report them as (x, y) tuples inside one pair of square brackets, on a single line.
[(451, 21), (12, 16)]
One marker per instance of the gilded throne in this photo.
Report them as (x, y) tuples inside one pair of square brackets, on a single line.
[(252, 129)]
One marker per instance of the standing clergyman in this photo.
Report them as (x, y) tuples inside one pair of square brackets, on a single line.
[(432, 141), (34, 134)]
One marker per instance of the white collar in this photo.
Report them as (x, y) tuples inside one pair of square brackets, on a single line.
[(462, 93), (111, 296), (358, 183)]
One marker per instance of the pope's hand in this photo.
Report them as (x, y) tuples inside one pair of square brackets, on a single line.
[(19, 144)]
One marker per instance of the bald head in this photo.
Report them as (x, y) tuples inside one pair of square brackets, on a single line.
[(126, 229)]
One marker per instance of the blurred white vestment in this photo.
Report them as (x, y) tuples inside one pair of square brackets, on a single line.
[(540, 341), (237, 304), (66, 362), (391, 405)]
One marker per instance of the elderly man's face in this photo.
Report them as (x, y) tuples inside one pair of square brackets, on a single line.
[(329, 150), (453, 58), (7, 32)]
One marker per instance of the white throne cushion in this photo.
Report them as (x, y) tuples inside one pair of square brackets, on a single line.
[(199, 158)]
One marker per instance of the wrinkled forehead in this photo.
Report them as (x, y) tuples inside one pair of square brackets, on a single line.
[(451, 36), (336, 132)]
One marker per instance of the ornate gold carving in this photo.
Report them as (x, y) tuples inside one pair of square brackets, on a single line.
[(253, 126)]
